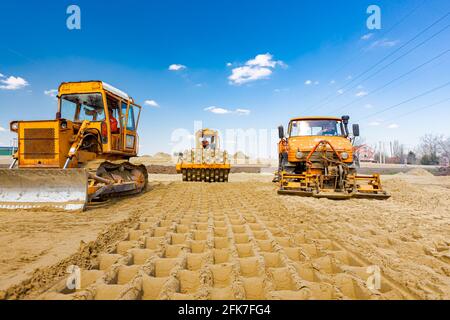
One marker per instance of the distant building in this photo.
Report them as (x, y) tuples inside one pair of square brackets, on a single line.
[(7, 151), (365, 153)]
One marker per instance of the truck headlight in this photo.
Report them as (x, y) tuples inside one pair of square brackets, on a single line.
[(344, 155), (299, 155), (14, 126)]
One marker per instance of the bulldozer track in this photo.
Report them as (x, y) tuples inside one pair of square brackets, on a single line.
[(187, 243)]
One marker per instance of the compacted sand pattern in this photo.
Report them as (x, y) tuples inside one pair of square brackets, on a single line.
[(233, 241)]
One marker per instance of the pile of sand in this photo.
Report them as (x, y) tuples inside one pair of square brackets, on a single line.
[(157, 158), (163, 157), (240, 155), (419, 172)]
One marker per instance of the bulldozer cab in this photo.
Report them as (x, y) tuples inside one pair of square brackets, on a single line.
[(110, 111)]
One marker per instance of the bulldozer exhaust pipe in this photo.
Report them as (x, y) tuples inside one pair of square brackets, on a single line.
[(44, 189)]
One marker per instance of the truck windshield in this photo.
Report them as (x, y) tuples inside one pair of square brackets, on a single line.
[(316, 128), (80, 107)]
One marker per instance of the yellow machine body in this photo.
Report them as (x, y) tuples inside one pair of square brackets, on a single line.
[(206, 162), (80, 156)]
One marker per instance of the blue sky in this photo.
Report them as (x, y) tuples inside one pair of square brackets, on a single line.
[(287, 57)]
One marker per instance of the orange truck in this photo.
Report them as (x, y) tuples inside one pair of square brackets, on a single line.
[(316, 158)]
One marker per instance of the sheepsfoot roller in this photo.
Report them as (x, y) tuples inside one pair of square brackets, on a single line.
[(205, 163), (316, 159), (79, 158), (206, 173)]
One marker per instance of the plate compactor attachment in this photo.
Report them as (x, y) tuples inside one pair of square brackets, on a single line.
[(328, 176), (322, 186)]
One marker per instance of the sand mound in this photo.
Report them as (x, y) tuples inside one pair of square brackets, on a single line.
[(157, 158), (161, 156), (419, 172)]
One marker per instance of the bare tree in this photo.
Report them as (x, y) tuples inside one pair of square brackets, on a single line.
[(430, 148), (445, 148), (398, 151)]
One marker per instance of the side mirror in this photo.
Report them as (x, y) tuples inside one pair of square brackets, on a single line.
[(356, 130), (345, 119), (281, 132)]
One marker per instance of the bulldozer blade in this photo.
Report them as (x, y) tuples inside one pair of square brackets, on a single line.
[(62, 189)]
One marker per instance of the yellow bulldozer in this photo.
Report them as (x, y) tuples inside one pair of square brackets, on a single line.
[(206, 162), (81, 157), (316, 159)]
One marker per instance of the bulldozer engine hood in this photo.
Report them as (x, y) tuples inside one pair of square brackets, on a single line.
[(306, 144)]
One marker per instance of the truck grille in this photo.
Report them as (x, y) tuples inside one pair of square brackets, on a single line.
[(39, 143)]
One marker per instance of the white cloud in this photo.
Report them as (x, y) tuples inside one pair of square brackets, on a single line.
[(13, 83), (264, 60), (221, 111), (332, 81), (229, 64), (310, 82), (245, 112), (340, 91), (2, 129), (261, 67), (374, 123), (368, 106), (246, 74), (386, 43), (393, 126), (278, 90), (51, 93), (151, 103), (2, 75), (217, 110), (349, 77), (367, 36), (177, 67), (361, 94)]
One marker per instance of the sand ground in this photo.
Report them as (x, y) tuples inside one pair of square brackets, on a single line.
[(236, 241)]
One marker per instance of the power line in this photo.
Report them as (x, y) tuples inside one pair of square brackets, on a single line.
[(400, 57), (419, 109), (392, 53), (361, 52), (408, 100), (394, 80), (399, 48), (381, 36)]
